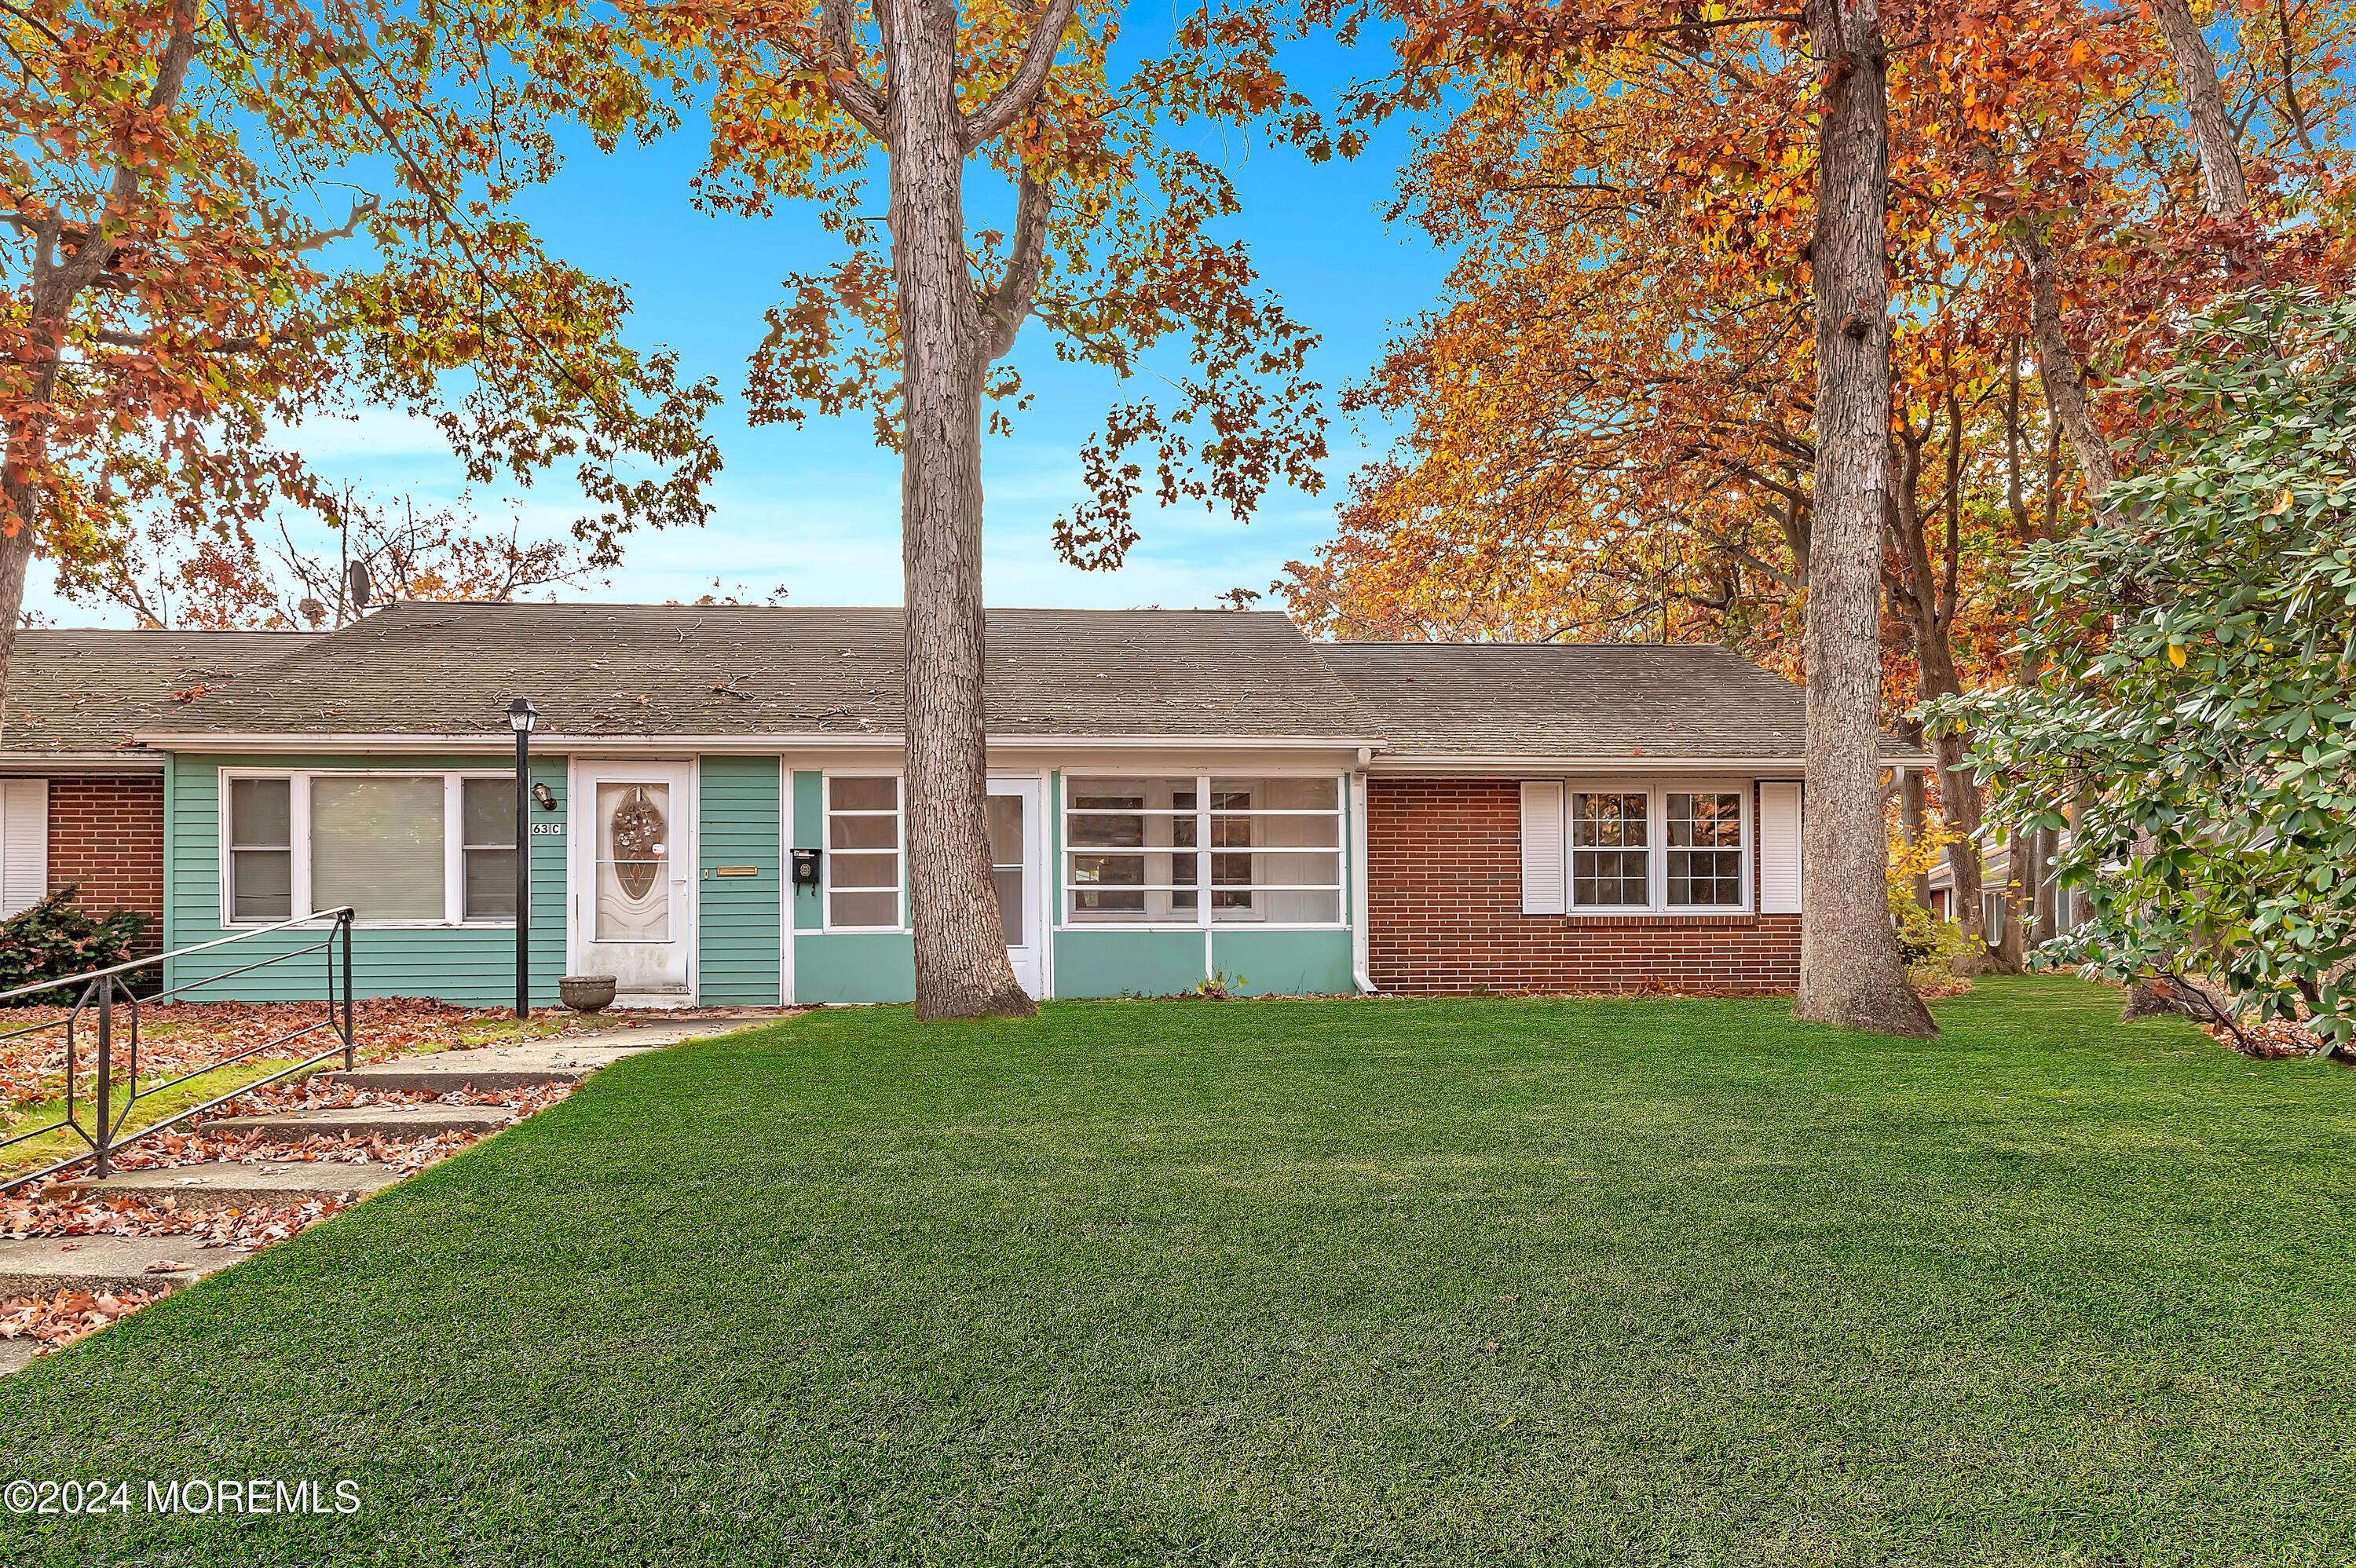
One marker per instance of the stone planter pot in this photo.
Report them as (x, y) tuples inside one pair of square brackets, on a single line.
[(586, 993)]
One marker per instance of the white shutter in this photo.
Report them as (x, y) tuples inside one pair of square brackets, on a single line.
[(1542, 869), (24, 844), (1779, 848)]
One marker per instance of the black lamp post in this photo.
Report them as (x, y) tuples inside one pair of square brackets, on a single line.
[(521, 717)]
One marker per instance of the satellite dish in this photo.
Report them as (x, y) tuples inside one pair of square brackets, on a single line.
[(356, 577)]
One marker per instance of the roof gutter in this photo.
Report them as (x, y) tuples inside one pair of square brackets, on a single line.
[(35, 764), (1428, 763), (758, 744)]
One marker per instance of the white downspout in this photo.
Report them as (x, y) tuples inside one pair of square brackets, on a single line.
[(1358, 944)]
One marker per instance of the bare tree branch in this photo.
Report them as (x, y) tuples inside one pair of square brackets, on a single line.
[(1007, 306), (850, 91), (1009, 102)]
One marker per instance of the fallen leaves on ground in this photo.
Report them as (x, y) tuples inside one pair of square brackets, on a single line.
[(28, 1219), (182, 1037), (55, 1320), (2268, 1041)]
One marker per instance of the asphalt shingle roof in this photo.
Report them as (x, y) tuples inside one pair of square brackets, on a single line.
[(631, 669), (1593, 699), (86, 691)]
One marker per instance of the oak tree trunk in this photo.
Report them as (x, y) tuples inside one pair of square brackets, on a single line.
[(962, 969), (2223, 190), (1851, 972), (2044, 844), (2010, 946)]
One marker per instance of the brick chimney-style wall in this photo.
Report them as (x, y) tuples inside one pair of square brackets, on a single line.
[(106, 832), (1444, 910)]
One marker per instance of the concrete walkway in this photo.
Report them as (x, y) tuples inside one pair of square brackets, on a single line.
[(366, 1122), (47, 1265), (52, 1264), (525, 1065), (224, 1184)]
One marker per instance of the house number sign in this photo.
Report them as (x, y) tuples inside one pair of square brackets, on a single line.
[(548, 831)]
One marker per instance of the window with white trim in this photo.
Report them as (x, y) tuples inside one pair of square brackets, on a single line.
[(431, 848), (1704, 851), (1611, 850), (1135, 850), (260, 849), (487, 811), (863, 847), (1636, 847)]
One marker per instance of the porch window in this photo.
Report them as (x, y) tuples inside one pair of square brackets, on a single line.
[(1131, 849), (400, 848), (862, 858), (1147, 851)]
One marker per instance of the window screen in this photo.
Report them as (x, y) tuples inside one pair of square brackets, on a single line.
[(862, 861), (1135, 849), (1131, 849), (375, 845)]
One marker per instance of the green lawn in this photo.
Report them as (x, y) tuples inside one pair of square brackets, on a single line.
[(1645, 1282)]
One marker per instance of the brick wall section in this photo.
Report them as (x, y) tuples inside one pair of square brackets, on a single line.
[(1444, 910), (106, 832)]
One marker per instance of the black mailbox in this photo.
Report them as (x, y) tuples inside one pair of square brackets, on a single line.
[(806, 868)]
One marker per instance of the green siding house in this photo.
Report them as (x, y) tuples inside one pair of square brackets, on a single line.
[(717, 811), (1170, 800)]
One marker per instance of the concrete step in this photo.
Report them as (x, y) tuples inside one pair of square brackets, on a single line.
[(490, 1068), (15, 1355), (222, 1184), (49, 1264), (366, 1122)]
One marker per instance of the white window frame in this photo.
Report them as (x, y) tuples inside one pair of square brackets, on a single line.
[(826, 814), (1655, 830), (1656, 845), (298, 832), (1203, 887)]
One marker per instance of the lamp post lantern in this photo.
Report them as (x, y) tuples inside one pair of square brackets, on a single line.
[(521, 717)]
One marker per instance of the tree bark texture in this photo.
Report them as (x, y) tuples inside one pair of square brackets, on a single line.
[(2008, 948), (2044, 844), (1928, 600), (2225, 193), (1851, 972), (962, 969)]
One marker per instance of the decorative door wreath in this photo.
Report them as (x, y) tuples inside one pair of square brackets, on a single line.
[(638, 836)]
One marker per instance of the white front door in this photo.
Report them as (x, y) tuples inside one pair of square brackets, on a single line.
[(633, 827), (1016, 837)]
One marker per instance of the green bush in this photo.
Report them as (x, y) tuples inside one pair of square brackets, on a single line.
[(57, 939)]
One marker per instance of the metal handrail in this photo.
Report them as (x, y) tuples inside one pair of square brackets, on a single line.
[(103, 990)]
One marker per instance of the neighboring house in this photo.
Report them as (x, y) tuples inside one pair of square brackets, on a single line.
[(1995, 868), (79, 802), (1174, 795)]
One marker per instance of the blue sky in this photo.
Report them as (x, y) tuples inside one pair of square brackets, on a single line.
[(817, 509)]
